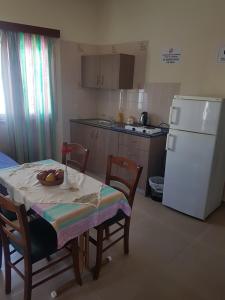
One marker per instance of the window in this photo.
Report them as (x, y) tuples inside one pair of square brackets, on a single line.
[(35, 73), (35, 69), (2, 97)]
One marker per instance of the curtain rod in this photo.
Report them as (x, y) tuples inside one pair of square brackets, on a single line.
[(9, 26)]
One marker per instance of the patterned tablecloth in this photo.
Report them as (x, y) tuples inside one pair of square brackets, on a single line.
[(5, 162), (71, 219)]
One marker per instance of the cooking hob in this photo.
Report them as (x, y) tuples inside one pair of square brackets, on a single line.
[(143, 129)]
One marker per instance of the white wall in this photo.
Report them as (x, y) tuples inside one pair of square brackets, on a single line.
[(195, 26), (76, 101), (76, 19)]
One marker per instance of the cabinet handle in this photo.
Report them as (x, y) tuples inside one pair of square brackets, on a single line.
[(102, 80)]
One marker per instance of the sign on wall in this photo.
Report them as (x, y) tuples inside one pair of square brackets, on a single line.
[(171, 56), (221, 56)]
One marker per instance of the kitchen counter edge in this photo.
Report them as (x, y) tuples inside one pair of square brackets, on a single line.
[(119, 129)]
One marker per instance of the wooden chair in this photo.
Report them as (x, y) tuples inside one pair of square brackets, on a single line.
[(79, 156), (135, 172), (34, 241), (11, 217)]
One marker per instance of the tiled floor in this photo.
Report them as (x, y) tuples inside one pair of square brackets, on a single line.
[(172, 256)]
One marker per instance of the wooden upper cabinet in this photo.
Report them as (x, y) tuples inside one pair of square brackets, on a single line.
[(90, 71), (109, 71)]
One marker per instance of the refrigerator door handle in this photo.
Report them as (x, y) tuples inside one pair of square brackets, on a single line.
[(170, 142), (174, 115)]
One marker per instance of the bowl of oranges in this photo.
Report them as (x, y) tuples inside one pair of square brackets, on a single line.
[(51, 177)]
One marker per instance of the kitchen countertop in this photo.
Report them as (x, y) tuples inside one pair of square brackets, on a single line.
[(118, 127)]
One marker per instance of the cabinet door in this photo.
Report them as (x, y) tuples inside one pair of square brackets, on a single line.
[(117, 71), (100, 142), (137, 149), (76, 133), (140, 157), (106, 144), (91, 136), (109, 66), (134, 141), (126, 71), (86, 136), (90, 70), (110, 71)]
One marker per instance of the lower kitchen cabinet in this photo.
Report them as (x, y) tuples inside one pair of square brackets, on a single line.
[(86, 136), (147, 152), (100, 142), (105, 144)]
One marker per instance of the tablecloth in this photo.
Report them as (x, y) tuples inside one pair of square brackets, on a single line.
[(72, 219)]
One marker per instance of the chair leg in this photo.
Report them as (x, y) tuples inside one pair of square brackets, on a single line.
[(98, 253), (1, 253), (126, 235), (7, 270), (76, 265), (27, 279), (107, 233)]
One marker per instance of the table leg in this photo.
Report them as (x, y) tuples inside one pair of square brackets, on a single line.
[(83, 261), (81, 252), (84, 251), (87, 250)]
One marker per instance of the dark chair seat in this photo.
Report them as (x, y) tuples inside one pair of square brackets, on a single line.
[(8, 214), (43, 240), (118, 217)]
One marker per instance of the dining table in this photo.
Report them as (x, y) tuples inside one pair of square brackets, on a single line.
[(72, 210)]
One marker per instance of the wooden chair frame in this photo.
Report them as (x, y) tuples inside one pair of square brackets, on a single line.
[(21, 226), (30, 214), (76, 148), (136, 170)]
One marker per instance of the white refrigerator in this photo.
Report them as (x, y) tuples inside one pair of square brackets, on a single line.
[(195, 163)]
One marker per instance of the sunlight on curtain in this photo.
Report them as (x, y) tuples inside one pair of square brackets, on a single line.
[(35, 61), (2, 97), (34, 58), (28, 83)]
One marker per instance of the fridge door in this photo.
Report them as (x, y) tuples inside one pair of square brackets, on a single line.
[(188, 168), (195, 115)]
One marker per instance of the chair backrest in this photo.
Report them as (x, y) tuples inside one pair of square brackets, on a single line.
[(15, 232), (78, 157), (130, 183)]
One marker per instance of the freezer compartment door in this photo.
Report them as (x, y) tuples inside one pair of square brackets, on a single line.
[(195, 116), (188, 168)]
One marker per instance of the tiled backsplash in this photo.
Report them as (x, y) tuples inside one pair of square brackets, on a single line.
[(156, 99)]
